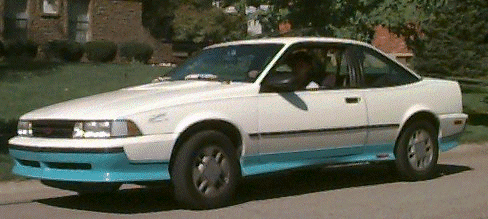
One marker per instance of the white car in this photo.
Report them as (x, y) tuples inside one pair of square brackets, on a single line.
[(236, 110)]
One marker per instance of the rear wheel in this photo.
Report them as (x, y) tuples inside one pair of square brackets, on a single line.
[(205, 171), (417, 151)]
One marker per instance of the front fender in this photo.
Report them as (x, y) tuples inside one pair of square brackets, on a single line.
[(189, 120), (197, 118)]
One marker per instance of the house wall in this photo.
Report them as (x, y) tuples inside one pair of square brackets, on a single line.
[(118, 21), (43, 28), (392, 44), (121, 21)]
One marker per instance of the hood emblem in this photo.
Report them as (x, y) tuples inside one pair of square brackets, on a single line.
[(158, 118)]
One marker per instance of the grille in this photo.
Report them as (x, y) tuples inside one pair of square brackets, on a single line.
[(52, 128), (69, 166), (56, 165), (29, 163)]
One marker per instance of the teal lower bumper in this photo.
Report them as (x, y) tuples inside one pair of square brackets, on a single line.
[(85, 167)]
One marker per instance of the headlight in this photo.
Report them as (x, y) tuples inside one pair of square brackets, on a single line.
[(24, 128), (105, 129)]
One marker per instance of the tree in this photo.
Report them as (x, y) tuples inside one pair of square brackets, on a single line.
[(201, 23), (405, 17), (454, 40), (336, 18), (198, 20), (447, 36), (157, 16), (191, 20)]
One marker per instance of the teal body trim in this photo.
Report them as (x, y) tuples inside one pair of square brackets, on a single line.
[(115, 167), (85, 167), (450, 142), (260, 164), (266, 163)]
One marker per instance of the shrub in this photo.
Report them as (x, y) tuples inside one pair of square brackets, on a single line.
[(64, 50), (8, 129), (135, 51), (2, 49), (21, 50), (101, 51)]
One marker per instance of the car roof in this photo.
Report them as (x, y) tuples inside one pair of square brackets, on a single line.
[(290, 40)]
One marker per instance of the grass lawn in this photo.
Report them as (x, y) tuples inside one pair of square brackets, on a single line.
[(26, 88), (6, 164), (475, 103), (474, 134), (475, 97)]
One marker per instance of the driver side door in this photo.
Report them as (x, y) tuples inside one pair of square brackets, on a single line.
[(313, 123)]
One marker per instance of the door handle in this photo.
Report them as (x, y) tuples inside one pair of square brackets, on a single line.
[(352, 100)]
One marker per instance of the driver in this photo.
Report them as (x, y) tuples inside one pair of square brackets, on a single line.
[(301, 64)]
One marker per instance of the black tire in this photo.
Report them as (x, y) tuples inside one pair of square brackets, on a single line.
[(206, 171), (417, 151)]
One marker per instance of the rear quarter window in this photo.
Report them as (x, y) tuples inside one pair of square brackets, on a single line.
[(379, 71)]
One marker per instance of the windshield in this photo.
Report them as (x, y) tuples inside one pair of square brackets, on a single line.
[(241, 63)]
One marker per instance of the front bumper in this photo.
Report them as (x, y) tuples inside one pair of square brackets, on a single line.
[(451, 128), (85, 167), (125, 160)]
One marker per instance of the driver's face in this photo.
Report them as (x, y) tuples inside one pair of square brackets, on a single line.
[(301, 69)]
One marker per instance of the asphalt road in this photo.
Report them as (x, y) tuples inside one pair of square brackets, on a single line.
[(360, 191)]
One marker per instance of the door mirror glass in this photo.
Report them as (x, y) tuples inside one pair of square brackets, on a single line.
[(280, 82)]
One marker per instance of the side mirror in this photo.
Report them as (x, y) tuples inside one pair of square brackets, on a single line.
[(282, 82)]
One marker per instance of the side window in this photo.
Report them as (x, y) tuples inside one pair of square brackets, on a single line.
[(315, 67), (378, 71), (297, 65), (336, 69)]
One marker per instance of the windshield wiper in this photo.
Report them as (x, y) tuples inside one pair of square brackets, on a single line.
[(207, 77)]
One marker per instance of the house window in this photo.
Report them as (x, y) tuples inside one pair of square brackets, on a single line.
[(79, 20), (50, 7), (16, 19)]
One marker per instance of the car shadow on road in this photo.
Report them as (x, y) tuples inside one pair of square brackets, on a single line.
[(282, 184)]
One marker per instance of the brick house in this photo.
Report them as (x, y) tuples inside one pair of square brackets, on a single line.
[(392, 45), (80, 20)]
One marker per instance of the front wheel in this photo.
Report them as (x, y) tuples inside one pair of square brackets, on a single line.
[(417, 151), (205, 171)]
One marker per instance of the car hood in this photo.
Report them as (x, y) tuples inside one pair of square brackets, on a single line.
[(121, 103)]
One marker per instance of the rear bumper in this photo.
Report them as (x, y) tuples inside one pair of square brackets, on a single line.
[(450, 130), (112, 166), (450, 142)]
